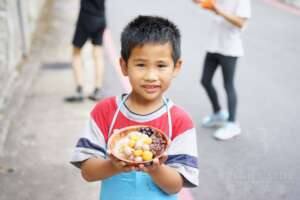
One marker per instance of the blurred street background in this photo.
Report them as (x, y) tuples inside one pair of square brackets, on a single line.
[(38, 130)]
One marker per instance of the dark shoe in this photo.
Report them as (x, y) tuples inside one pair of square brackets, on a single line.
[(96, 95), (77, 97)]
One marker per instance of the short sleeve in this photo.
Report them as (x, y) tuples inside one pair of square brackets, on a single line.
[(91, 144), (243, 9), (183, 156)]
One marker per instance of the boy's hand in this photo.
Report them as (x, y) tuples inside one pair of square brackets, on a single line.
[(156, 163), (120, 165)]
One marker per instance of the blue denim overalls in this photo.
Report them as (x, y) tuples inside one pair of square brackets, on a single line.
[(133, 185)]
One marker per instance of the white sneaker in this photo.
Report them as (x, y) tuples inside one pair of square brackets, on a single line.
[(228, 131), (215, 120)]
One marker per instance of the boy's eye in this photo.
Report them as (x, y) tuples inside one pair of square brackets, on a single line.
[(162, 66), (140, 65)]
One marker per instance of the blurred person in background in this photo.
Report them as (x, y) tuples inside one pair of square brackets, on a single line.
[(224, 49), (91, 24)]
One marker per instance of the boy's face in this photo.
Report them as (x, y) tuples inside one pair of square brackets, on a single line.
[(150, 69)]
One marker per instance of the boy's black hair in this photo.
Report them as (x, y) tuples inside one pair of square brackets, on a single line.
[(150, 29)]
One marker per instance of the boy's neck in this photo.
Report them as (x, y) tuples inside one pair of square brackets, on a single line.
[(142, 107)]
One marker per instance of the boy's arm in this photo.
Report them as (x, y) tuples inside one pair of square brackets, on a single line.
[(95, 169), (167, 178)]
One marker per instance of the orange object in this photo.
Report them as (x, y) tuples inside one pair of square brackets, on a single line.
[(207, 4)]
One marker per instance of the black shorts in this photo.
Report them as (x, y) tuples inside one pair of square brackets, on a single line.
[(89, 27)]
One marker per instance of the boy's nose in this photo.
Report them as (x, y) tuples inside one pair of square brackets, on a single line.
[(150, 75)]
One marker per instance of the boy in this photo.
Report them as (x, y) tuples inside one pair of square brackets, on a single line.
[(224, 49), (91, 24), (150, 57)]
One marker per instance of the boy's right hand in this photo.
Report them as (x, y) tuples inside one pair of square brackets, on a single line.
[(120, 165)]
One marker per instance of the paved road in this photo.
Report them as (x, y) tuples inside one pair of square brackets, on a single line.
[(262, 163)]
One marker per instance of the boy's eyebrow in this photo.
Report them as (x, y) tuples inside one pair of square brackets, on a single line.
[(144, 60), (138, 59), (162, 61)]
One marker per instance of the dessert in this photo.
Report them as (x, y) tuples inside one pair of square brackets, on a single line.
[(138, 144)]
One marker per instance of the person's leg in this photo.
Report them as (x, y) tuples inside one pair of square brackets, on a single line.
[(99, 72), (209, 69), (228, 65), (77, 71), (97, 40), (231, 128), (80, 37), (77, 67), (99, 66), (218, 117)]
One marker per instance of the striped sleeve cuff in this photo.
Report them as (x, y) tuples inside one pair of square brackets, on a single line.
[(85, 150), (187, 166)]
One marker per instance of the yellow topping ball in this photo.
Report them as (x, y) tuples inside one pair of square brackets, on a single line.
[(147, 140), (147, 155), (138, 152), (134, 137), (131, 143)]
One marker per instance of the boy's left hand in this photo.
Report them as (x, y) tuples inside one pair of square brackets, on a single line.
[(156, 163)]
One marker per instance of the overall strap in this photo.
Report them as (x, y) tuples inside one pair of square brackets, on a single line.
[(169, 118), (116, 115)]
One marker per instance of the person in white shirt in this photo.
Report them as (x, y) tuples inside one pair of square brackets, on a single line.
[(224, 50)]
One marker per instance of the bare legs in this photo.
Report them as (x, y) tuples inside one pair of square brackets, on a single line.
[(77, 67), (78, 74), (99, 66), (99, 72)]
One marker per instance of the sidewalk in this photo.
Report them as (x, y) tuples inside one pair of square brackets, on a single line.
[(44, 130)]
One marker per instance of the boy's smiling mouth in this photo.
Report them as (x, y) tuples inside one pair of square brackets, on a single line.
[(151, 88)]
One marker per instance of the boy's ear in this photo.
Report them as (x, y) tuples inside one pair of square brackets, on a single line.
[(123, 66), (177, 67)]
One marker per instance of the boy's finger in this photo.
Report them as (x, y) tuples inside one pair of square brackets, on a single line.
[(155, 163), (122, 164), (116, 161), (163, 158)]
